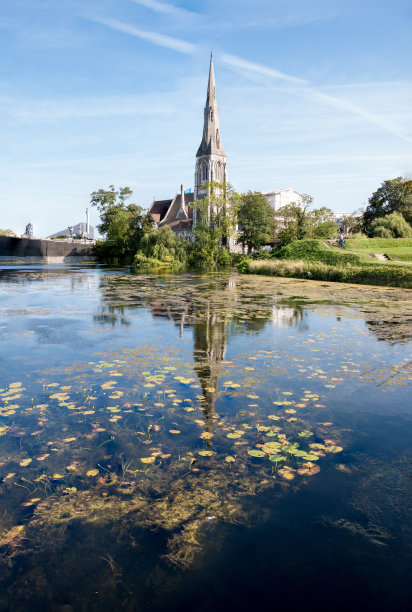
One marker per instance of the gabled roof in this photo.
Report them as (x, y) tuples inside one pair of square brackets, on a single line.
[(159, 209), (165, 212)]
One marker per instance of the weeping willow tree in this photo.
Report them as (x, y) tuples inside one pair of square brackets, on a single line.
[(161, 247)]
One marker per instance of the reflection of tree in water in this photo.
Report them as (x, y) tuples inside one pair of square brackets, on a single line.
[(394, 327), (216, 309), (111, 315)]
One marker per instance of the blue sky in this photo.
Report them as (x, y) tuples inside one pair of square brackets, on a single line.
[(315, 95)]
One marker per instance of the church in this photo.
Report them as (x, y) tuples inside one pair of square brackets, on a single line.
[(211, 165)]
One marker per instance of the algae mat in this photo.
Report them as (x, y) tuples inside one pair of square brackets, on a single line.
[(148, 424)]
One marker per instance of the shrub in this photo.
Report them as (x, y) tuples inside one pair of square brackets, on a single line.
[(162, 246), (367, 274), (391, 226), (316, 251)]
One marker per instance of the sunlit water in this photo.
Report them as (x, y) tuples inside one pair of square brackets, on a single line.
[(195, 442)]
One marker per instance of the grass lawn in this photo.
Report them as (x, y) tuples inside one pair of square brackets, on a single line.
[(315, 259), (396, 249)]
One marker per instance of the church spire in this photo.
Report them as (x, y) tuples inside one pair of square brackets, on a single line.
[(211, 144)]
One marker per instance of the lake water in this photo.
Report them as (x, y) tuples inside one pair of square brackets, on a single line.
[(203, 442)]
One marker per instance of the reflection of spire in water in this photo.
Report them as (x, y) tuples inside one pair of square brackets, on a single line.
[(209, 348), (286, 316)]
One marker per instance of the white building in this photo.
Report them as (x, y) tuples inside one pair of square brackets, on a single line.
[(284, 197)]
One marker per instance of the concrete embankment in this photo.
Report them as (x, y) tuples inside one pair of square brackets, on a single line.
[(40, 250)]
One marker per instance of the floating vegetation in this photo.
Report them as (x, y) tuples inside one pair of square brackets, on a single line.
[(148, 433), (135, 448)]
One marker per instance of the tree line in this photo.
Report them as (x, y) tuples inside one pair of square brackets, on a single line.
[(225, 216)]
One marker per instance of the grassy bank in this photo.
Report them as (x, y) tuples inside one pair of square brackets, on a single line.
[(366, 274), (396, 249), (313, 259)]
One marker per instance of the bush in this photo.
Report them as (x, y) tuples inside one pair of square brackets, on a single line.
[(243, 265), (366, 274), (391, 226), (162, 247), (224, 258), (316, 251)]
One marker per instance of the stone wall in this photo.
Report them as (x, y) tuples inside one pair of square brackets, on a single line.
[(42, 250)]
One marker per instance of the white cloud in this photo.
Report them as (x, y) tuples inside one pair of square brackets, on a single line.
[(302, 88), (154, 37), (237, 62), (349, 107), (162, 7), (53, 110)]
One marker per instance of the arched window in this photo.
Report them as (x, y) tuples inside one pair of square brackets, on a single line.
[(219, 172), (204, 172), (211, 115)]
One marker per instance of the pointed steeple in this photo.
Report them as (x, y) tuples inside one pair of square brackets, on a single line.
[(211, 144)]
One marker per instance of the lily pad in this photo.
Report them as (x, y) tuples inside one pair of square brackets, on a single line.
[(256, 453), (277, 458)]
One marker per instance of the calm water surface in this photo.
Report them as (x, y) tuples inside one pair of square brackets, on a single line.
[(203, 442)]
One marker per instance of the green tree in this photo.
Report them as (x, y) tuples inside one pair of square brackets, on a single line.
[(293, 221), (298, 222), (7, 232), (162, 246), (392, 196), (256, 219), (216, 220), (123, 224), (352, 224), (321, 222), (390, 226)]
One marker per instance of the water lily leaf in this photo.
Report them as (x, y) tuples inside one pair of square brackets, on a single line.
[(234, 435), (229, 459), (305, 434), (25, 462), (274, 417), (286, 474), (206, 453), (147, 459), (206, 435), (334, 449), (277, 458), (256, 453), (92, 473), (310, 457), (174, 431)]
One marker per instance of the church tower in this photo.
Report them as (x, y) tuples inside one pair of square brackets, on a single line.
[(211, 156)]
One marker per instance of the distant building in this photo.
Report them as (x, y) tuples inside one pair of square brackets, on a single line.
[(80, 229), (339, 217), (283, 197)]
